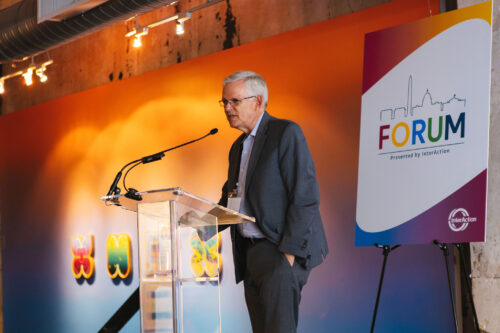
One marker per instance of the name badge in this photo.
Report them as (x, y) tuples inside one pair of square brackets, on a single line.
[(234, 203)]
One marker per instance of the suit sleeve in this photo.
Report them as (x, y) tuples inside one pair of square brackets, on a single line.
[(207, 232), (224, 195), (299, 176)]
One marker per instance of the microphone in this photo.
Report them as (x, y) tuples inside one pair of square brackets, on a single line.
[(133, 193), (158, 156), (114, 189)]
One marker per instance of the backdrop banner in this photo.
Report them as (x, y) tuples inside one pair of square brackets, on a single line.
[(69, 262), (423, 151)]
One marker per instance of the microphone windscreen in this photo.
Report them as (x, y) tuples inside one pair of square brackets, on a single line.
[(213, 131)]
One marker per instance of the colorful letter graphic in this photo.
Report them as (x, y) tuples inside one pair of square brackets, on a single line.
[(83, 250), (119, 255), (205, 255)]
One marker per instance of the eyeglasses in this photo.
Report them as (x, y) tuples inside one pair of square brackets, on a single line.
[(233, 101)]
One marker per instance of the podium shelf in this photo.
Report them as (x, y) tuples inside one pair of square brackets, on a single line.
[(224, 215), (183, 280)]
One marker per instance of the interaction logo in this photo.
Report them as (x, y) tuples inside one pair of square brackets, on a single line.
[(119, 255), (83, 263), (459, 219), (431, 123)]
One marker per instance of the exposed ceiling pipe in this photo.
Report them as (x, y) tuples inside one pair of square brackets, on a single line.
[(21, 36)]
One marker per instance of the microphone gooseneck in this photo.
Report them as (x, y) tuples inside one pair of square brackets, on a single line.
[(133, 193)]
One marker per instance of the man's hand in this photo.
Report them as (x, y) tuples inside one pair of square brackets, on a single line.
[(192, 219), (189, 219), (290, 258)]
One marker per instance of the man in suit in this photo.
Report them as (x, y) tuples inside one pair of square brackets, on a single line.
[(272, 177)]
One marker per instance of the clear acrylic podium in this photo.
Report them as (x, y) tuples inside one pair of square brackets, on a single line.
[(179, 273)]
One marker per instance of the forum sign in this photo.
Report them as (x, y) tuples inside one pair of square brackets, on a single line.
[(423, 151)]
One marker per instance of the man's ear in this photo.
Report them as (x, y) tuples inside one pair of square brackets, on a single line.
[(259, 100)]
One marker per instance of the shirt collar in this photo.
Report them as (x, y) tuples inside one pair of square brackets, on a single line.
[(256, 127)]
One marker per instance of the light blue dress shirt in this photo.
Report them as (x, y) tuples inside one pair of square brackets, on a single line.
[(249, 230)]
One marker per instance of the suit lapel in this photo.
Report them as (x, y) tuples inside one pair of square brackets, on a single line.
[(260, 139), (234, 164)]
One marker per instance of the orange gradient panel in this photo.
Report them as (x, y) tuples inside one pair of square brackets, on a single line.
[(67, 152)]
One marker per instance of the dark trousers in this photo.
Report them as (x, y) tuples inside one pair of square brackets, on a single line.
[(272, 288)]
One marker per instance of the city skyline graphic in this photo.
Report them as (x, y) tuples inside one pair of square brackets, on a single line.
[(410, 108)]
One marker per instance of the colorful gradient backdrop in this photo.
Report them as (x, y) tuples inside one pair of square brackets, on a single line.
[(389, 47), (58, 158)]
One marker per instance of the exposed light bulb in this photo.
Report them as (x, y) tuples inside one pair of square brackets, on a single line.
[(28, 76), (40, 72), (2, 87), (179, 28), (137, 41)]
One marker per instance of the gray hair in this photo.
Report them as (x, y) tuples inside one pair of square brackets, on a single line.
[(255, 84)]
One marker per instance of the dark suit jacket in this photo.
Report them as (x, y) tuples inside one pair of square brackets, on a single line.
[(281, 193)]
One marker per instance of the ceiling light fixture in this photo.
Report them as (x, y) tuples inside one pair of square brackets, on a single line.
[(138, 32), (180, 18), (40, 72), (137, 42), (27, 74), (179, 28)]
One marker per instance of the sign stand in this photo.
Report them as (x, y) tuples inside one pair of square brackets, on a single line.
[(386, 249), (446, 254), (467, 279)]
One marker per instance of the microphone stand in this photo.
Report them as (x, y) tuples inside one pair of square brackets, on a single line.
[(133, 193)]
